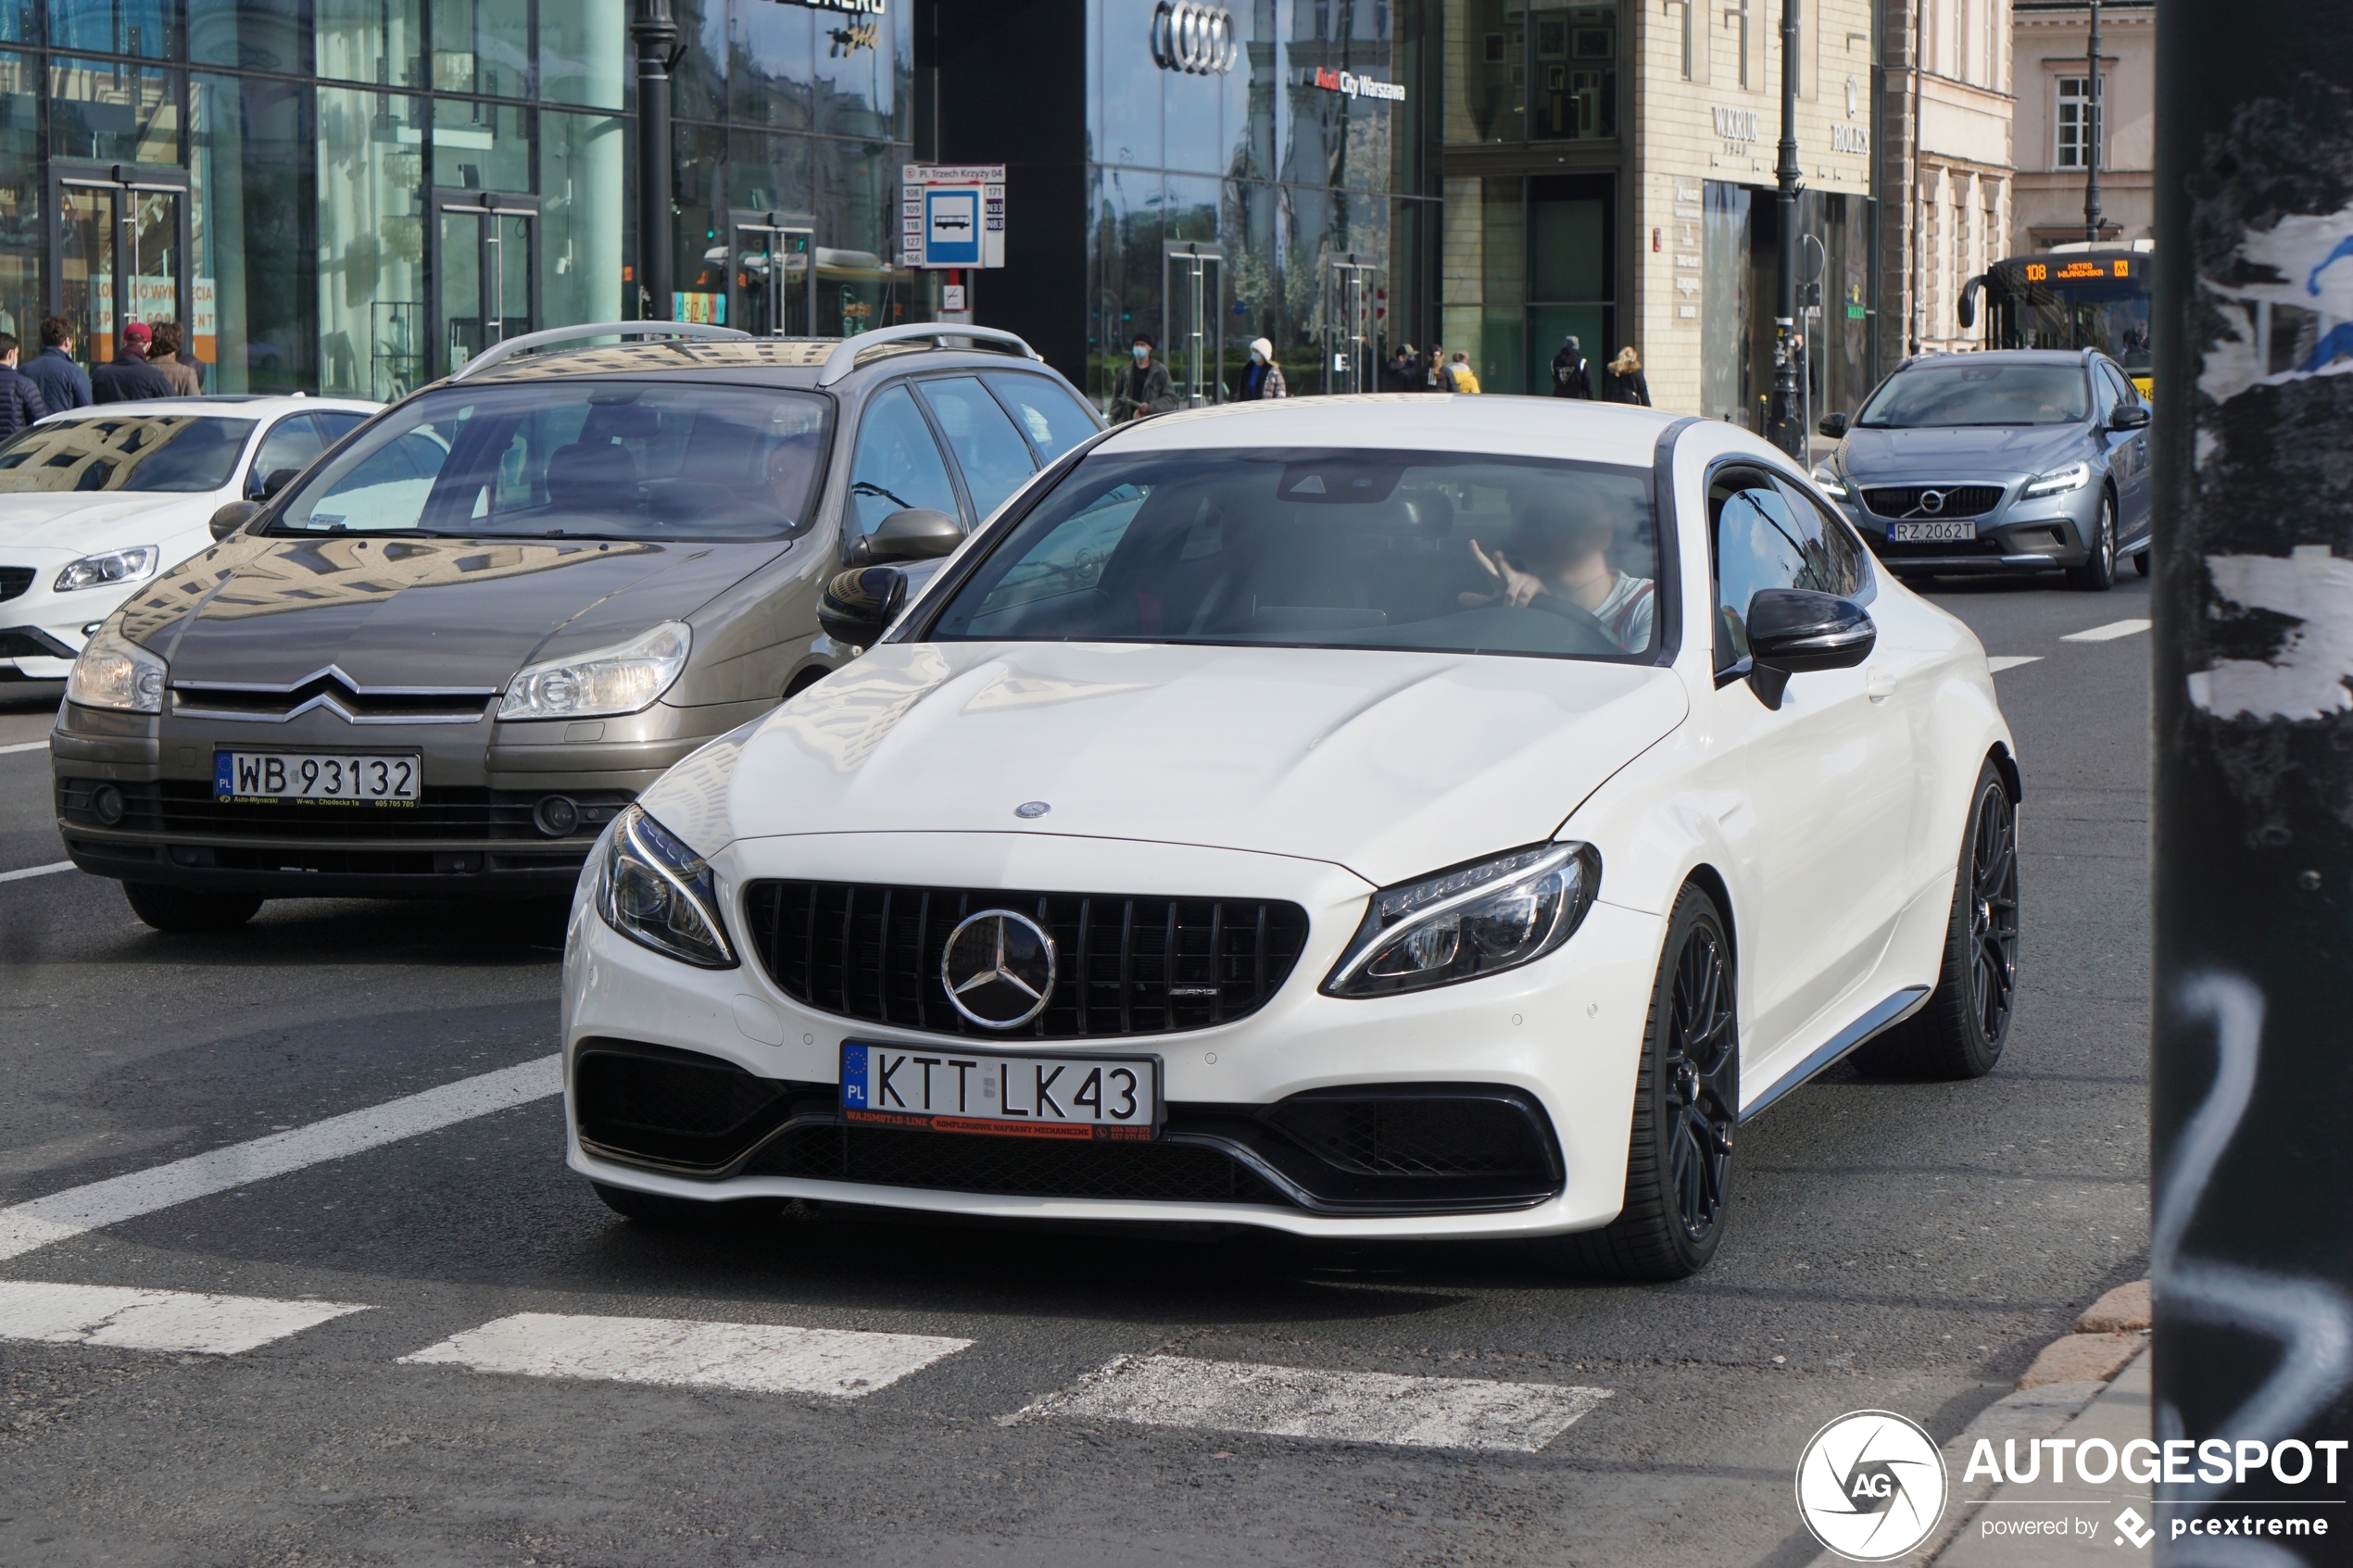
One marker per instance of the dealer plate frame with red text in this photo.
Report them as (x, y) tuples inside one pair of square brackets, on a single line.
[(1001, 1093)]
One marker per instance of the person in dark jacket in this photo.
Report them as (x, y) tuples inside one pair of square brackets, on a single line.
[(129, 378), (1264, 378), (1571, 377), (1623, 382), (20, 400), (1145, 388), (62, 383)]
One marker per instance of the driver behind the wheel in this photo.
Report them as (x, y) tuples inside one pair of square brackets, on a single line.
[(1557, 559)]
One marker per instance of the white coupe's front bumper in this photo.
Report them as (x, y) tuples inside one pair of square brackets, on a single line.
[(41, 630), (1564, 1032)]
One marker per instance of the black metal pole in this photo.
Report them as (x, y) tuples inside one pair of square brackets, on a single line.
[(657, 37), (2251, 1250), (1782, 426), (2093, 134)]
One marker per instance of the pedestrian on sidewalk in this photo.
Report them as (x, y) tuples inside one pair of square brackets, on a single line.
[(63, 383), (1264, 377), (1434, 377), (128, 378), (1623, 382), (20, 400), (1145, 387), (1461, 378), (1571, 378), (170, 356)]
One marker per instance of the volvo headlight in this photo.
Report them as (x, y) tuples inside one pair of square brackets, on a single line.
[(1470, 921), (110, 568), (114, 671), (1827, 477), (660, 894), (603, 682), (2058, 482)]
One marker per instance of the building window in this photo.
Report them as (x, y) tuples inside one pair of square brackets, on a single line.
[(1683, 8), (1736, 24), (2077, 133)]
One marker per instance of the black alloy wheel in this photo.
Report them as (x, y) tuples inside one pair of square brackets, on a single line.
[(1960, 1032), (2097, 575), (1678, 1165)]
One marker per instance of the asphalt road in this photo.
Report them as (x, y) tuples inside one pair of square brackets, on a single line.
[(1896, 1245)]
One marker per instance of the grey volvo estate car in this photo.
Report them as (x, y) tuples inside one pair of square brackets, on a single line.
[(2013, 460), (437, 663)]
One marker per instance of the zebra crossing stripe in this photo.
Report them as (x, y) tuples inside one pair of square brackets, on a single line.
[(1335, 1407), (154, 1320), (755, 1358)]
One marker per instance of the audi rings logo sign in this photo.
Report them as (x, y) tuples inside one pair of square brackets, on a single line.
[(999, 968), (1196, 39), (1931, 501), (1871, 1485)]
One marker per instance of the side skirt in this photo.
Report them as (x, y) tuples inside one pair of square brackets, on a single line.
[(1889, 1013)]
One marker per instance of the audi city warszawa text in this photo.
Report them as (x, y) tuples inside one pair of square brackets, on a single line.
[(1396, 817)]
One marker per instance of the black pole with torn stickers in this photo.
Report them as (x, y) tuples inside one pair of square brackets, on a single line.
[(2252, 1103)]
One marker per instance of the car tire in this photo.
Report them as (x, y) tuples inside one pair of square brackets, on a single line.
[(180, 909), (2097, 575), (2140, 560), (1960, 1032), (1678, 1160)]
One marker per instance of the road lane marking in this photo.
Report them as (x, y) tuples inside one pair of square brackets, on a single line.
[(50, 870), (154, 1320), (755, 1358), (25, 745), (2106, 633), (2000, 662), (1337, 1407), (61, 1215)]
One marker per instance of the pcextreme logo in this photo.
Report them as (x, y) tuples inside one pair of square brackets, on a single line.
[(1871, 1485)]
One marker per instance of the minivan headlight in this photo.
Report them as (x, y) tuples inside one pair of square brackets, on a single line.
[(602, 682), (114, 671), (110, 569), (660, 894), (2058, 482), (1467, 922)]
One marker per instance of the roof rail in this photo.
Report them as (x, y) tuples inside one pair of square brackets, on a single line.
[(845, 359), (500, 353)]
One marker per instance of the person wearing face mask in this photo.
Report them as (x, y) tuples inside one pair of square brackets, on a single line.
[(1264, 377), (1145, 388)]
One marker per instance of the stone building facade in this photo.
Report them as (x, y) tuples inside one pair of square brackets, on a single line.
[(2055, 130)]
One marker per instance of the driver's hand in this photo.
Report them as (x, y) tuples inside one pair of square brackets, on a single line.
[(1518, 588)]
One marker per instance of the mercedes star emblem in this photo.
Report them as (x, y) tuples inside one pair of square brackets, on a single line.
[(1030, 810), (998, 969)]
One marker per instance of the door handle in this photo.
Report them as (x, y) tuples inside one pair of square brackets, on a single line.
[(1878, 684)]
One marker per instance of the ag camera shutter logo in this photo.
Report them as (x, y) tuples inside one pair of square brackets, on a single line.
[(1871, 1485), (1199, 40)]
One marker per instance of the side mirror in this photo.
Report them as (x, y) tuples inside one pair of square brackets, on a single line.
[(859, 606), (2129, 416), (277, 480), (233, 516), (911, 533), (1832, 425), (1794, 631)]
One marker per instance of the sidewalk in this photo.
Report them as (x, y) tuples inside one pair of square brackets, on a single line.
[(2118, 1413)]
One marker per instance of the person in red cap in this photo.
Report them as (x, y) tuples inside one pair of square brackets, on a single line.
[(128, 377)]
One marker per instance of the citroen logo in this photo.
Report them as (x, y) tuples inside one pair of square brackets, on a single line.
[(1931, 501), (998, 969)]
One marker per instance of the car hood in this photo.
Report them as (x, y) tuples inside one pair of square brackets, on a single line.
[(1389, 763), (1899, 457), (418, 612), (82, 520)]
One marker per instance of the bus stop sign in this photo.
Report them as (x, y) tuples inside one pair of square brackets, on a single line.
[(952, 215)]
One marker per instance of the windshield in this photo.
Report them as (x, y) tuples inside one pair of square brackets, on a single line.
[(2078, 305), (576, 460), (1967, 390), (1327, 549), (177, 453)]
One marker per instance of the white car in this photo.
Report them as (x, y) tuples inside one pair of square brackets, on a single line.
[(1387, 817), (96, 501)]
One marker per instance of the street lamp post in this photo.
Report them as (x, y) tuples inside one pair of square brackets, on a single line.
[(2091, 135), (1784, 427), (657, 38)]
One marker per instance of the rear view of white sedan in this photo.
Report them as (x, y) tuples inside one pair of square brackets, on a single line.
[(96, 501), (1380, 817)]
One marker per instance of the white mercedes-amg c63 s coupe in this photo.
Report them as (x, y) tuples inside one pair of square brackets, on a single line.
[(1389, 817)]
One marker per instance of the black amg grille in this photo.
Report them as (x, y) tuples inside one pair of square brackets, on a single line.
[(1961, 500), (15, 579), (1127, 964), (184, 806), (1169, 1173)]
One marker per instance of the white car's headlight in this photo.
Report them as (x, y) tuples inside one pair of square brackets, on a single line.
[(114, 671), (106, 570), (660, 894), (2058, 482), (621, 679), (1827, 477), (1470, 921)]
